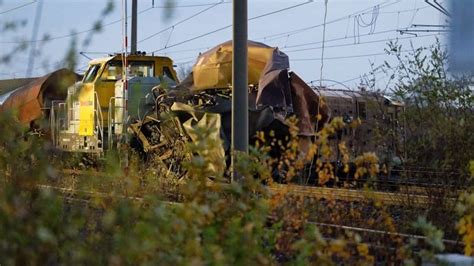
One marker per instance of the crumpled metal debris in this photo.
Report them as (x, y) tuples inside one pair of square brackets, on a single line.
[(275, 94)]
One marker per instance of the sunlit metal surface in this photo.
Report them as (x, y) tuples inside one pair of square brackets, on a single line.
[(33, 99)]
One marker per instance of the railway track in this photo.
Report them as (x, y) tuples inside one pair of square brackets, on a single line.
[(415, 196), (367, 231), (386, 198), (85, 197)]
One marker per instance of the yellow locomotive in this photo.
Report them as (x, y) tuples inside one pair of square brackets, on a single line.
[(106, 100)]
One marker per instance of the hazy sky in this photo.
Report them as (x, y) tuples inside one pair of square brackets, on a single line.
[(354, 39)]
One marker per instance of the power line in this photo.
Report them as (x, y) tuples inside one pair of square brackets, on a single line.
[(352, 56), (367, 42), (324, 42), (345, 37), (438, 7), (186, 58), (345, 57), (74, 33), (331, 46), (300, 30), (360, 77), (296, 31), (360, 23), (43, 66), (229, 26), (181, 21), (167, 52), (341, 38), (411, 31), (36, 26), (18, 7), (192, 5), (105, 25), (331, 40), (188, 50)]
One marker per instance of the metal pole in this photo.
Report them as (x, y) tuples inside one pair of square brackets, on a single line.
[(133, 48), (240, 133), (34, 36)]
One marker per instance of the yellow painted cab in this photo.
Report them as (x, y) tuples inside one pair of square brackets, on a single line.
[(92, 105), (103, 73)]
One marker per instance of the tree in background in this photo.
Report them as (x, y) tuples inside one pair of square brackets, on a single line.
[(438, 118)]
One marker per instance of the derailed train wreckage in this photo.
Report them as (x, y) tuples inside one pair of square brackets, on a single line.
[(148, 107), (275, 94)]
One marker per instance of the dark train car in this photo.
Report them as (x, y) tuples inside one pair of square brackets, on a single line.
[(379, 127)]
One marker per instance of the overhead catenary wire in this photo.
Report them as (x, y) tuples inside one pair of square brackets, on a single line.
[(438, 7), (324, 42), (167, 52), (34, 34), (192, 5), (321, 73), (345, 57), (18, 7), (189, 50), (360, 43), (181, 21), (169, 37), (355, 56), (413, 17), (360, 23), (303, 29), (43, 66), (313, 48), (284, 48), (359, 77), (58, 37), (333, 40), (343, 38), (229, 26)]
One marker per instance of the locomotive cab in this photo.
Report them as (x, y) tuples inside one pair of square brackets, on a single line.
[(99, 104)]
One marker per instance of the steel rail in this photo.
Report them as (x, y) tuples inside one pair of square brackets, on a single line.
[(383, 232), (70, 195), (71, 191), (387, 198), (412, 196)]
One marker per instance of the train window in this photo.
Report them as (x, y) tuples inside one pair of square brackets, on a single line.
[(167, 72), (362, 110), (113, 70), (91, 73), (141, 69)]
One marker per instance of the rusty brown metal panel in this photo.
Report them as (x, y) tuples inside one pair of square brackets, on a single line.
[(24, 101), (30, 99), (307, 106), (274, 90), (8, 85), (29, 112)]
